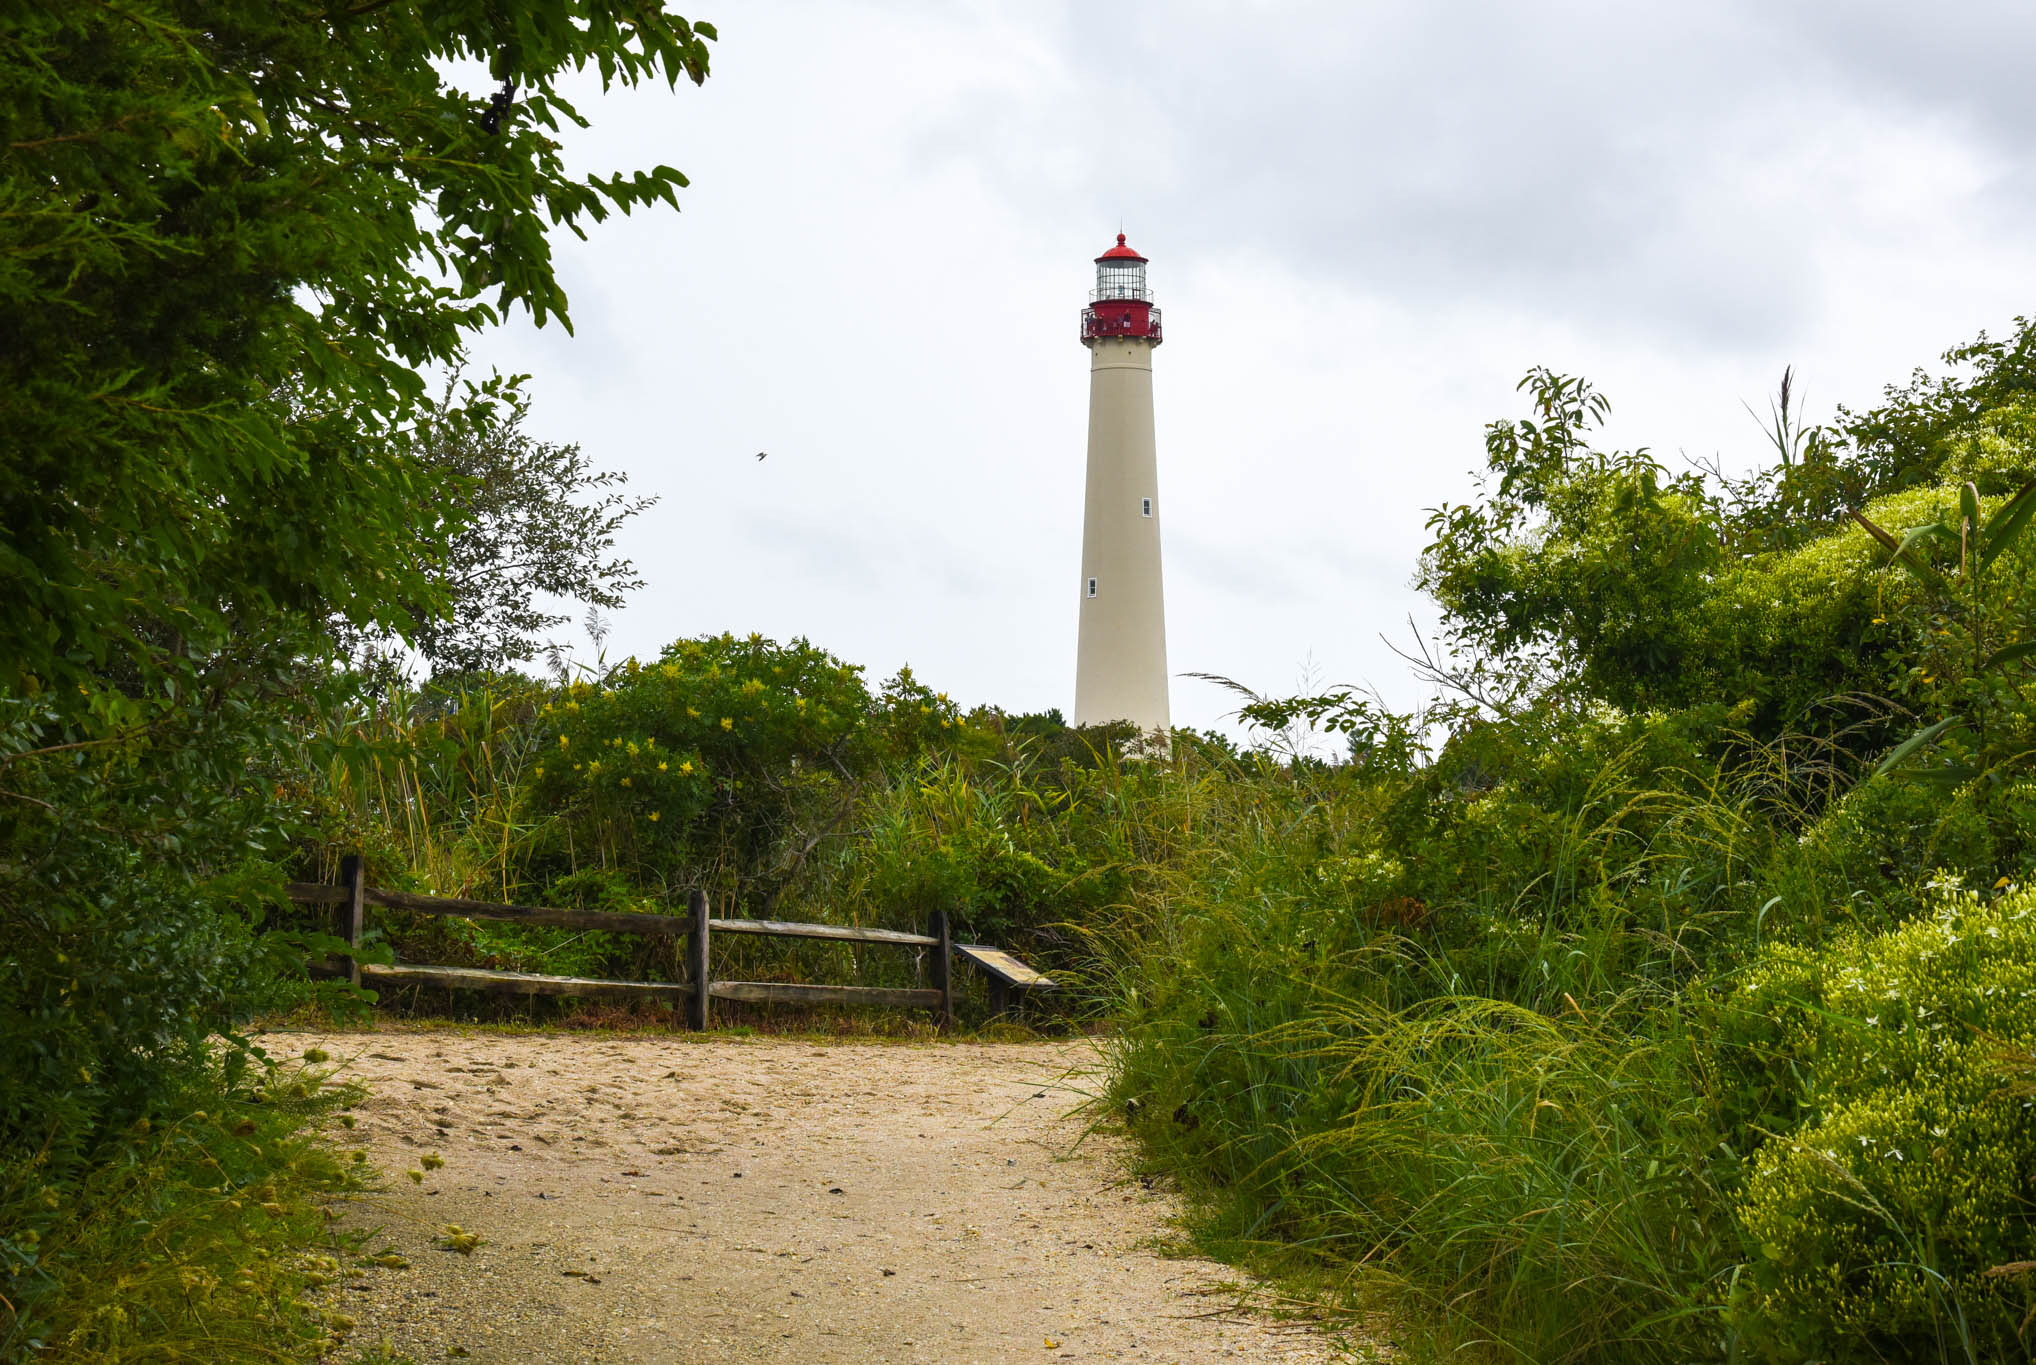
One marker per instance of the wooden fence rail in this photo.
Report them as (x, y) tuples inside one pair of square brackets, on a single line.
[(351, 897)]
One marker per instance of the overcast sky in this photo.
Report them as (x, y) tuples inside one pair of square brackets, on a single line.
[(1366, 221)]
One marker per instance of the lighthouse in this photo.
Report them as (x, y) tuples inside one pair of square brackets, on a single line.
[(1120, 661)]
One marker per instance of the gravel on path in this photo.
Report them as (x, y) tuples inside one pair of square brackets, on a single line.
[(736, 1200)]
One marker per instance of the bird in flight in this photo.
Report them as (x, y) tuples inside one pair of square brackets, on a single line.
[(762, 453)]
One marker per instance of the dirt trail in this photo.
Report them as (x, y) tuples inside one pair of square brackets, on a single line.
[(664, 1199)]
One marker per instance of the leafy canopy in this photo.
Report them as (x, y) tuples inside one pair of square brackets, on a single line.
[(230, 233)]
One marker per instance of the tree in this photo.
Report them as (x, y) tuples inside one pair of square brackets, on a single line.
[(232, 232), (529, 519), (1574, 564), (1905, 442)]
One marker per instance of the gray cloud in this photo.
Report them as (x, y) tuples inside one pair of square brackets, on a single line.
[(1649, 167)]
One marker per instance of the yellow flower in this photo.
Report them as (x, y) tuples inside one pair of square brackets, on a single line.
[(727, 723), (540, 770), (751, 688), (563, 741), (625, 781), (654, 816), (633, 750), (798, 703), (693, 711), (662, 766), (686, 767), (594, 767)]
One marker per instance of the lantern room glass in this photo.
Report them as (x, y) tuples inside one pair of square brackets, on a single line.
[(1121, 279)]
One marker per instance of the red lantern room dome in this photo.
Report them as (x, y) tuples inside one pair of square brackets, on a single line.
[(1120, 305), (1120, 252)]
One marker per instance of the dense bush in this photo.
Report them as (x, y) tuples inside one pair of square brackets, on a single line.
[(701, 758), (767, 773), (1879, 1227), (199, 1236), (141, 867)]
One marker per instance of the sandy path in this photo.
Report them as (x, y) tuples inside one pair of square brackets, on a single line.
[(665, 1199)]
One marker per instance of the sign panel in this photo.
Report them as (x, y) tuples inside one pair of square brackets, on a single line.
[(1003, 966)]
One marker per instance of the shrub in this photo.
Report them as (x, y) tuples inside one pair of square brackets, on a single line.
[(136, 872), (190, 1238), (701, 759), (1887, 839), (1873, 1227)]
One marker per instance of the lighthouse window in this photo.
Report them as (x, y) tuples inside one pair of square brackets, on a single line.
[(1092, 587), (1146, 506), (1121, 279)]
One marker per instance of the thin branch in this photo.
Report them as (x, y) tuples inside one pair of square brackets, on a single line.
[(32, 800), (60, 748)]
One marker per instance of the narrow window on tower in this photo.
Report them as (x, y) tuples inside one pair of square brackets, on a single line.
[(1092, 587), (1146, 506)]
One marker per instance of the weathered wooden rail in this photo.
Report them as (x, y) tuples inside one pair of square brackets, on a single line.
[(351, 897)]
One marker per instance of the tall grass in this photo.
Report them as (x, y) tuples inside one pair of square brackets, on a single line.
[(1501, 1118), (432, 783)]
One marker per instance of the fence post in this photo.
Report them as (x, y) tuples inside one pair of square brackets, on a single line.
[(943, 966), (350, 913), (696, 961)]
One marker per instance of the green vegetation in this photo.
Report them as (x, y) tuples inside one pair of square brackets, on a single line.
[(1662, 992), (204, 1237), (1674, 1005), (232, 235)]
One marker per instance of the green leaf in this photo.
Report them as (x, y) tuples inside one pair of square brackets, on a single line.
[(2008, 523), (1942, 531), (1901, 752), (2009, 655), (1956, 775), (1903, 553)]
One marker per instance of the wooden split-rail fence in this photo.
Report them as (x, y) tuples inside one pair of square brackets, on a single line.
[(350, 899)]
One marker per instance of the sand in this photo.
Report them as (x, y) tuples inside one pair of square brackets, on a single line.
[(658, 1198)]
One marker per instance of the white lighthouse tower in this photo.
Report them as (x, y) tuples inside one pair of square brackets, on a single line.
[(1120, 665)]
